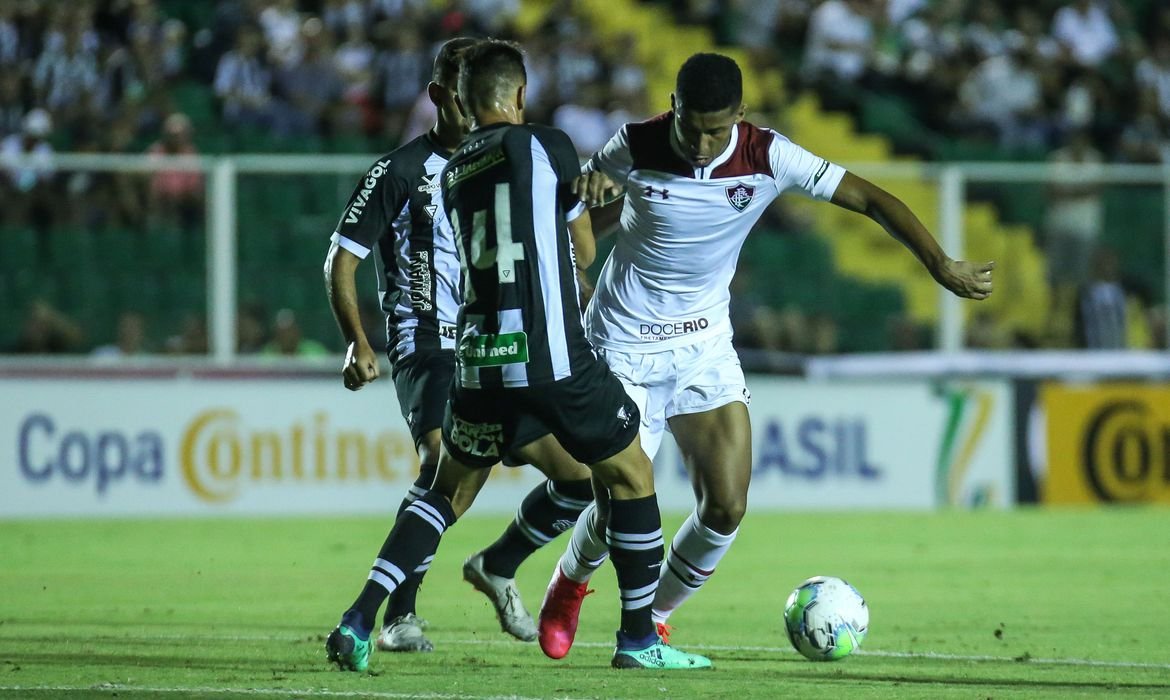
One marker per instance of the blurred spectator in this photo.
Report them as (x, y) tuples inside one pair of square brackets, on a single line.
[(251, 329), (400, 72), (13, 105), (907, 335), (1153, 76), (1157, 318), (1075, 213), (243, 83), (288, 339), (176, 196), (47, 331), (354, 59), (130, 338), (1086, 32), (1101, 306), (585, 121), (191, 338), (840, 41), (27, 189), (1143, 139), (65, 76), (310, 84), (1003, 95), (281, 23)]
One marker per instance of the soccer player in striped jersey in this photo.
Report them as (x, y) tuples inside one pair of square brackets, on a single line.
[(397, 210), (522, 355), (696, 180)]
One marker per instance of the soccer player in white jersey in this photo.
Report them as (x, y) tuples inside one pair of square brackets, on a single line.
[(696, 180)]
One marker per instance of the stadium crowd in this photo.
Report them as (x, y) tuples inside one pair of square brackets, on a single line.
[(1082, 81)]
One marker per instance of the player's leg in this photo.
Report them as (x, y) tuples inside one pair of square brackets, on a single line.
[(470, 449), (713, 432), (423, 383), (402, 628), (641, 376), (549, 509), (414, 538), (597, 422)]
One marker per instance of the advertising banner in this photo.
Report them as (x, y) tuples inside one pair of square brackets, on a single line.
[(876, 445), (1106, 443), (288, 445)]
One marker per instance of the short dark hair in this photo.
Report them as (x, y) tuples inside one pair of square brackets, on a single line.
[(709, 82), (446, 70), (488, 69)]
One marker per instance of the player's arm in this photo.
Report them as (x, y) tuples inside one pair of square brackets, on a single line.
[(584, 243), (602, 183), (585, 251), (965, 279), (361, 362), (367, 217)]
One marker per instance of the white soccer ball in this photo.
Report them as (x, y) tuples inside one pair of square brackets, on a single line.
[(826, 618)]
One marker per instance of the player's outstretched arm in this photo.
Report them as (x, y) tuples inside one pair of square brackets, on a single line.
[(965, 279), (361, 362), (604, 197)]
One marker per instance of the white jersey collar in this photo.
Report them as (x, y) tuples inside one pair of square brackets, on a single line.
[(704, 173)]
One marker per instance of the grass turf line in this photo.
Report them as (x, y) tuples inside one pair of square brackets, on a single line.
[(144, 608)]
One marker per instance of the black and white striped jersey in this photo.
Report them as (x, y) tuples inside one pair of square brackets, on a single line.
[(507, 193), (397, 208)]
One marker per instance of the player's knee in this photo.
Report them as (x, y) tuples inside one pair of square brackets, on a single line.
[(723, 515), (428, 448), (629, 479)]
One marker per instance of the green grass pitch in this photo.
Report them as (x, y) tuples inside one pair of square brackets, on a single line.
[(1031, 603)]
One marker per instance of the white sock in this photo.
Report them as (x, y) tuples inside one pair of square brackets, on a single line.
[(587, 549), (694, 553)]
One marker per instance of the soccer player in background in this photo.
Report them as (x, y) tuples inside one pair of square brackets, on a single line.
[(522, 355), (696, 180), (396, 209)]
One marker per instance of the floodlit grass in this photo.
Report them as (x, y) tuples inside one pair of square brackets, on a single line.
[(1030, 603)]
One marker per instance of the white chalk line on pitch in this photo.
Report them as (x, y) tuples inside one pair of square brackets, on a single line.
[(927, 655), (282, 692)]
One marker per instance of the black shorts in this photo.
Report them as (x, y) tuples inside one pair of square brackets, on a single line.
[(589, 413), (423, 382)]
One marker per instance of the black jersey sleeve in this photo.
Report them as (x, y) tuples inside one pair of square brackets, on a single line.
[(565, 162), (376, 201)]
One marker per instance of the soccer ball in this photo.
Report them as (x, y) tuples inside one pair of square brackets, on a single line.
[(826, 618)]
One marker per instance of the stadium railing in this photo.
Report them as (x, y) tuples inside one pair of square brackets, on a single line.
[(288, 180)]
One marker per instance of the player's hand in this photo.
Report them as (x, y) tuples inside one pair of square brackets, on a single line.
[(361, 365), (969, 280), (595, 189)]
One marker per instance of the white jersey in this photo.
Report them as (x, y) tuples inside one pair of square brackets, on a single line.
[(666, 282)]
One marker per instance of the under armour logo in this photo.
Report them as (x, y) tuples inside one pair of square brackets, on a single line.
[(650, 192)]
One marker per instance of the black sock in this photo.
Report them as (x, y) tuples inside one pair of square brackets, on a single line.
[(415, 536), (634, 535), (403, 599), (547, 511)]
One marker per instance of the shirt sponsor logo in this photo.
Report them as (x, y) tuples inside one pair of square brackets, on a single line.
[(651, 191), (490, 350), (740, 195), (462, 172), (662, 331), (430, 184), (421, 283), (477, 439), (362, 198)]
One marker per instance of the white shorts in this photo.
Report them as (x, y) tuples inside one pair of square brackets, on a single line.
[(687, 379)]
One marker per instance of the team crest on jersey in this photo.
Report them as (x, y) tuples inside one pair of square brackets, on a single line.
[(740, 195)]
